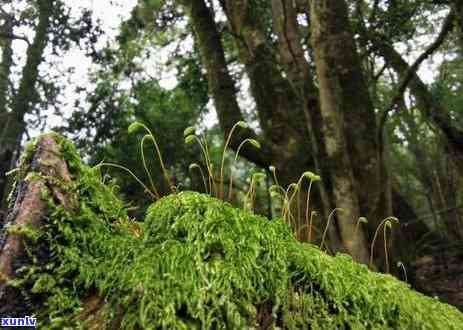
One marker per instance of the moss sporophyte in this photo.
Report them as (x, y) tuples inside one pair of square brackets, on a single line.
[(196, 262)]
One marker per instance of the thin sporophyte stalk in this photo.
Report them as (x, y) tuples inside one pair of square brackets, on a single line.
[(388, 220), (250, 196), (241, 124), (338, 209), (194, 165), (286, 211), (254, 143), (136, 126), (312, 178), (402, 266), (312, 215), (357, 225), (388, 224), (142, 152), (154, 194), (189, 139)]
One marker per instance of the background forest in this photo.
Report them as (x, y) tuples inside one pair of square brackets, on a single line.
[(367, 94)]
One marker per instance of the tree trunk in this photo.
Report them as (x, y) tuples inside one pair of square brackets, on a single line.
[(279, 109), (5, 116), (29, 210), (5, 66), (300, 76), (25, 97), (331, 41), (278, 106), (458, 8)]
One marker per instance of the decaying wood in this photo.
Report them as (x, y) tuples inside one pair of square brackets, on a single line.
[(28, 208), (46, 170)]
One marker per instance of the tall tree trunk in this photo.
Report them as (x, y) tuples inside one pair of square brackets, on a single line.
[(336, 59), (300, 76), (221, 85), (5, 117), (278, 107), (5, 65), (25, 97), (458, 8)]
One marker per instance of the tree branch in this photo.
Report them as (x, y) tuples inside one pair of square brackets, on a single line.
[(373, 11), (13, 36), (411, 71)]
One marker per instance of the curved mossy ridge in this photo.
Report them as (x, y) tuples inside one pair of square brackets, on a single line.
[(197, 262)]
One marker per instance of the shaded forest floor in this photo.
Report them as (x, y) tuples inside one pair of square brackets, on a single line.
[(439, 272)]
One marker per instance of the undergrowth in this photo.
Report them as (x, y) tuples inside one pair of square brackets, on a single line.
[(198, 263)]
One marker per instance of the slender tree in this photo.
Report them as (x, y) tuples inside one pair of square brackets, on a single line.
[(25, 97), (5, 70), (335, 65)]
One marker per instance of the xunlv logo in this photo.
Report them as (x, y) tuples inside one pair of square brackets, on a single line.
[(26, 321)]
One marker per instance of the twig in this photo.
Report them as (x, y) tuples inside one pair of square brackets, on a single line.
[(408, 76), (13, 36)]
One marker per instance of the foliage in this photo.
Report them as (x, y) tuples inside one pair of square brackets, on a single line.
[(165, 112)]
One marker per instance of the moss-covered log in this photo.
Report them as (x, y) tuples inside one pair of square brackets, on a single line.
[(195, 262)]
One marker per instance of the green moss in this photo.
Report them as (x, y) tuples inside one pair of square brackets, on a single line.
[(196, 262), (25, 230)]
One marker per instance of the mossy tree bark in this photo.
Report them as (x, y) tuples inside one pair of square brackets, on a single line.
[(98, 248), (42, 171), (25, 97), (338, 72)]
